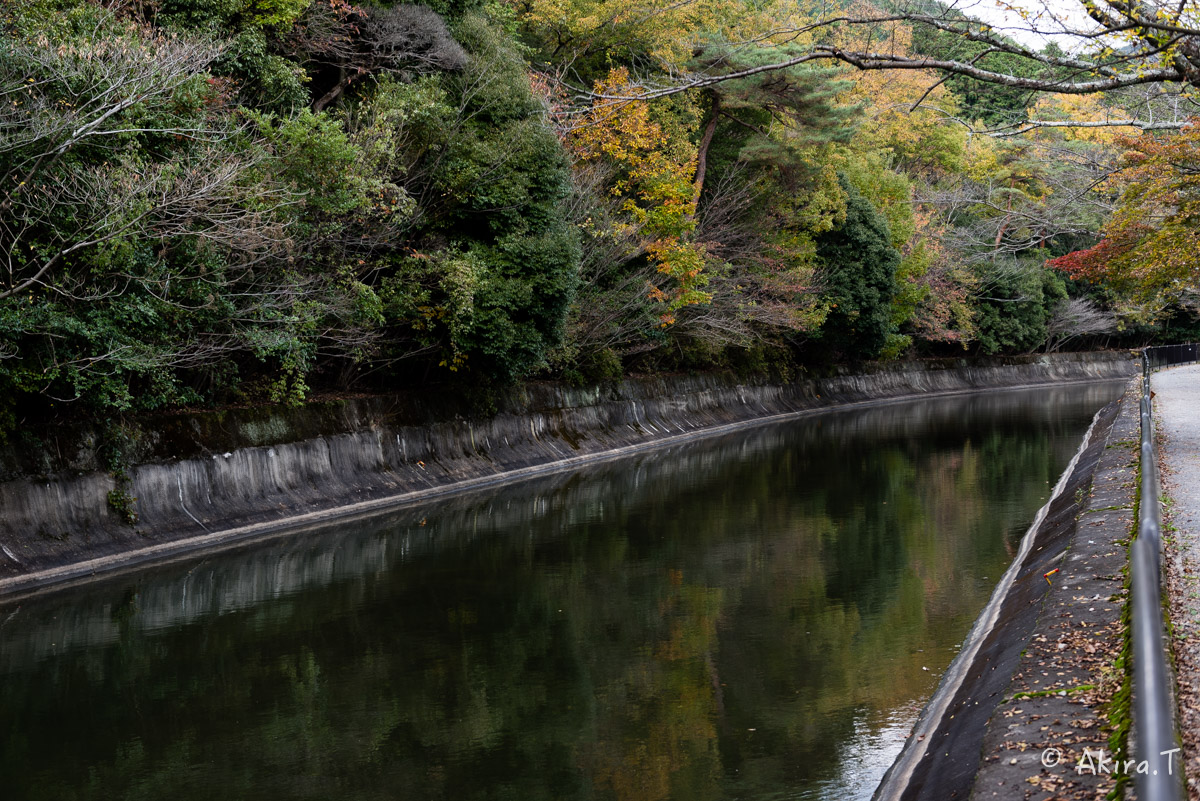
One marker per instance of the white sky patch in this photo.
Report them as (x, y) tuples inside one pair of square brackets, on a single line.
[(1045, 21)]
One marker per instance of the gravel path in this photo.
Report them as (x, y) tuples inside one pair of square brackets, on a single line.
[(1177, 412)]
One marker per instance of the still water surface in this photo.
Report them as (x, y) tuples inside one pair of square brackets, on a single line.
[(756, 616)]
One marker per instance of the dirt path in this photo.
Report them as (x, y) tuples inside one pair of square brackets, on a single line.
[(1177, 413)]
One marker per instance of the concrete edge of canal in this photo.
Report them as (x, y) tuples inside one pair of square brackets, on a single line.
[(206, 481), (1042, 675)]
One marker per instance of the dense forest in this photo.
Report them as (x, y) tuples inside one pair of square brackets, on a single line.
[(208, 202)]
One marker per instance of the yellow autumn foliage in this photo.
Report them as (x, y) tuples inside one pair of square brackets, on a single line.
[(655, 163), (668, 32), (1079, 108)]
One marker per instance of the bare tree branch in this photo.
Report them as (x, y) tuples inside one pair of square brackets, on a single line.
[(1165, 51)]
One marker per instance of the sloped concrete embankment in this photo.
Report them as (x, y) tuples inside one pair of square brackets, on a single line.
[(196, 480), (1034, 683)]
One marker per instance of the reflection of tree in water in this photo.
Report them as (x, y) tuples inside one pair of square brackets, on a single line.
[(874, 578), (658, 739), (699, 622)]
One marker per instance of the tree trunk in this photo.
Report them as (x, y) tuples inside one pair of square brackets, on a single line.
[(1007, 216), (347, 77), (705, 141)]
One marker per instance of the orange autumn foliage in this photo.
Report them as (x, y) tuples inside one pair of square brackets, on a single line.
[(1151, 247)]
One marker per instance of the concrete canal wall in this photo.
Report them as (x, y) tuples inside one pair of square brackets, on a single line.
[(1036, 676), (203, 480)]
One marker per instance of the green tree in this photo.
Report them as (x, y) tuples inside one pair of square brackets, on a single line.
[(1020, 299), (492, 264), (858, 272)]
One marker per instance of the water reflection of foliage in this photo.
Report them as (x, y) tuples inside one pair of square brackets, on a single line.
[(719, 625)]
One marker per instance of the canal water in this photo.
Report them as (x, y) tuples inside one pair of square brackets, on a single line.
[(755, 616)]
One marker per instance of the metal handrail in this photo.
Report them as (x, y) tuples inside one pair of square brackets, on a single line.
[(1154, 716), (1168, 355)]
